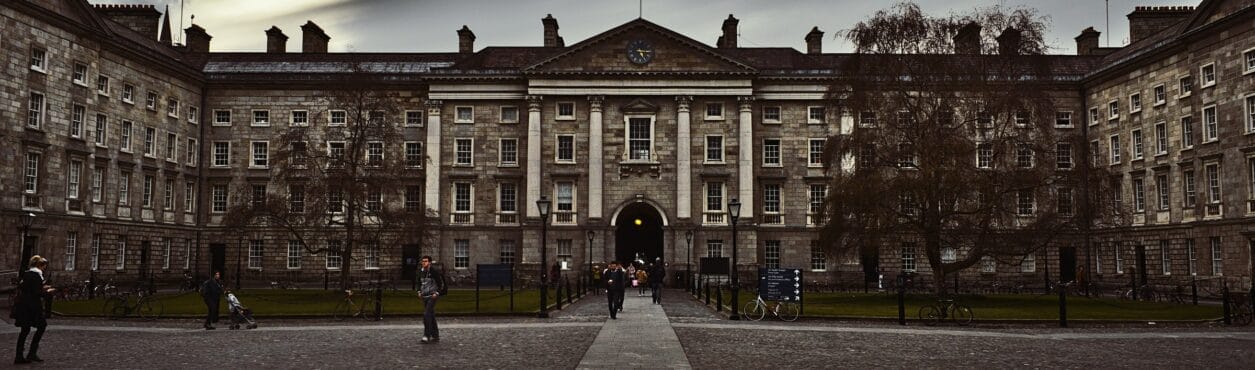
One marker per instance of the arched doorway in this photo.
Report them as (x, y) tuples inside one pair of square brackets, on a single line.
[(638, 233)]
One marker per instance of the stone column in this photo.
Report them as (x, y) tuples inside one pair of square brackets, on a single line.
[(595, 176), (745, 160), (684, 157), (533, 155), (433, 148)]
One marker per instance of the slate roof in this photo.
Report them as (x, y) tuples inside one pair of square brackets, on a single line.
[(384, 63)]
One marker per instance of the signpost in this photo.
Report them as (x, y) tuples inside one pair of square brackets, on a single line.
[(777, 284), (499, 275)]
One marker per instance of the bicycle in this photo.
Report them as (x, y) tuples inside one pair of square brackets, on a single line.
[(1145, 292), (946, 308), (349, 308), (146, 307), (758, 308)]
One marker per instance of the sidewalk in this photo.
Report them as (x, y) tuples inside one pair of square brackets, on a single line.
[(642, 337)]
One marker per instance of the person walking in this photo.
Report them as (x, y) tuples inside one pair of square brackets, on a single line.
[(211, 292), (28, 310), (615, 279), (642, 278), (431, 286), (656, 275)]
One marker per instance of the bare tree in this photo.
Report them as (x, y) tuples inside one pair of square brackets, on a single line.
[(956, 156), (344, 182)]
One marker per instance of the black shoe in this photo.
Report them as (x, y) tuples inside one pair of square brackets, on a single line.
[(34, 358), (20, 360)]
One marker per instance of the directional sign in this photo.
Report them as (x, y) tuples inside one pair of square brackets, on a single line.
[(780, 284)]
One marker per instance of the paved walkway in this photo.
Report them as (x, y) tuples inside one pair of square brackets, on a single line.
[(642, 337)]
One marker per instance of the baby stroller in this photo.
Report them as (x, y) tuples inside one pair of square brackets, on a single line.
[(240, 314)]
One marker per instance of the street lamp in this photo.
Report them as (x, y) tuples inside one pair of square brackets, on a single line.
[(543, 206), (28, 219), (734, 213), (589, 269), (688, 267)]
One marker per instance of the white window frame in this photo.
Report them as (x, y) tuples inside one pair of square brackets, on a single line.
[(1113, 110), (78, 74), (1029, 263), (146, 197), (1248, 61), (1137, 143), (708, 116), (128, 94), (78, 114), (1135, 103), (815, 159), (1139, 194), (819, 259), (254, 120), (575, 197), (333, 260), (1211, 130), (1217, 256), (779, 156), (1116, 154), (167, 196), (501, 198), (627, 147), (172, 108), (189, 197), (124, 189), (150, 142), (253, 156), (502, 114), (1160, 94), (771, 254), (225, 155), (1063, 156), (193, 151), (294, 254), (461, 254), (1202, 75), (95, 256), (470, 200), (1163, 195), (777, 119), (1248, 107), (218, 115), (419, 122), (1093, 116), (470, 152), (256, 254), (165, 257), (292, 118), (907, 255), (1185, 86), (370, 258), (414, 162), (714, 248), (1187, 132), (37, 110), (457, 114), (707, 159), (984, 161), (193, 115), (120, 254), (501, 159), (172, 147), (810, 115), (74, 178), (103, 83), (331, 118), (1161, 138), (39, 60), (375, 148), (1189, 188), (98, 184), (557, 111), (218, 197), (1063, 116), (557, 149)]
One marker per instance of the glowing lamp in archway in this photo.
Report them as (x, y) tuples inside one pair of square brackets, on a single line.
[(637, 222)]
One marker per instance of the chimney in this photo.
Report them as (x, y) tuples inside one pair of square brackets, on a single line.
[(1148, 20), (313, 39), (197, 39), (140, 18), (728, 40), (967, 39), (276, 41), (466, 40), (165, 28), (552, 40), (1087, 41), (1009, 42), (815, 41)]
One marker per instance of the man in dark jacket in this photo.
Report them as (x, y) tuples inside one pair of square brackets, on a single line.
[(615, 284), (28, 311), (211, 291), (431, 286), (656, 275)]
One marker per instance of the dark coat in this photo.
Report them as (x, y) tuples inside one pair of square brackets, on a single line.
[(615, 279), (211, 291), (29, 310), (656, 275), (437, 278)]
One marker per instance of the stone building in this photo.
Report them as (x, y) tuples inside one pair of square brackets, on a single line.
[(130, 149)]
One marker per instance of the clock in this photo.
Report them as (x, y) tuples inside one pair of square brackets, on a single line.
[(640, 52)]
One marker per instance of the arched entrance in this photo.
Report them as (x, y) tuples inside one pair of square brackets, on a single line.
[(638, 233)]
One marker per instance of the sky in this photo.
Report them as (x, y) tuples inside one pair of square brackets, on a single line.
[(430, 25)]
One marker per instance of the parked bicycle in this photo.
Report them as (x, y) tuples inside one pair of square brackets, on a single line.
[(1145, 292), (144, 306), (758, 308), (355, 305), (946, 309)]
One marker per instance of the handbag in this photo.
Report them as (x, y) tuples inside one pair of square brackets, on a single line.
[(636, 283)]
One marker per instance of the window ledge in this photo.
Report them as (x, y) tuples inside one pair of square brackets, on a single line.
[(128, 101), (38, 69), (771, 122), (80, 83), (564, 118), (713, 118)]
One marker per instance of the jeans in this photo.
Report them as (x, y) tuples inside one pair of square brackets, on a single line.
[(429, 318), (615, 300), (656, 292), (21, 339), (211, 317)]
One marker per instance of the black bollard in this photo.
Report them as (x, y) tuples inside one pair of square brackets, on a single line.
[(1224, 296), (1063, 305), (901, 305), (1194, 290), (568, 292), (557, 296), (707, 293), (719, 300), (91, 286), (326, 276), (378, 303)]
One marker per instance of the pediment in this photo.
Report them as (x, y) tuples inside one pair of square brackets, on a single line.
[(639, 106), (607, 53)]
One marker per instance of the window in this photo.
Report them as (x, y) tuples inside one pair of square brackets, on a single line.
[(509, 154), (296, 198), (1185, 86), (1217, 257), (337, 118), (120, 262), (255, 249), (462, 197), (564, 197), (1161, 95), (261, 154), (1250, 188), (192, 150), (172, 108), (984, 155), (167, 202), (461, 253), (165, 257), (988, 265), (39, 60), (258, 195), (771, 200), (1138, 148), (867, 119), (218, 197), (1024, 202), (151, 101), (815, 156), (334, 248), (374, 153), (222, 153), (464, 115), (80, 74), (102, 85), (414, 118), (507, 197), (771, 114), (1250, 113), (128, 94), (95, 257), (566, 149), (1063, 119), (76, 120), (906, 156), (714, 197), (1161, 191), (771, 253), (1213, 183), (376, 117), (507, 250), (815, 202), (1021, 119), (71, 249), (1249, 57), (565, 111), (714, 248), (187, 254), (193, 115), (150, 142), (1113, 110), (299, 118), (771, 152), (867, 156), (413, 154), (1187, 132), (462, 152), (819, 262), (294, 255), (102, 127), (815, 115), (374, 199), (1165, 257), (172, 143), (640, 138), (189, 197), (335, 200), (1024, 156), (73, 179), (1135, 103), (714, 149), (261, 118), (1093, 116), (222, 118), (908, 257), (1115, 149), (714, 111), (564, 254), (1187, 180), (1064, 201), (1029, 263), (98, 184), (1210, 128), (335, 153), (147, 200), (1208, 75), (371, 260), (1161, 138), (35, 119), (1119, 259), (124, 189), (1139, 195), (509, 114), (1193, 257), (1063, 156)]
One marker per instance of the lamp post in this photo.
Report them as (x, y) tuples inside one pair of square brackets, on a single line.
[(734, 213), (28, 219), (589, 269), (688, 267), (543, 206)]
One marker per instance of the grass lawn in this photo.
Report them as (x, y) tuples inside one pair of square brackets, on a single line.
[(312, 302), (999, 307)]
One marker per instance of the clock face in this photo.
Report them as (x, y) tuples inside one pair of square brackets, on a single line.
[(640, 52)]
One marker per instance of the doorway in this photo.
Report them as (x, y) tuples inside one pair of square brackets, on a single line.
[(218, 259), (638, 233)]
